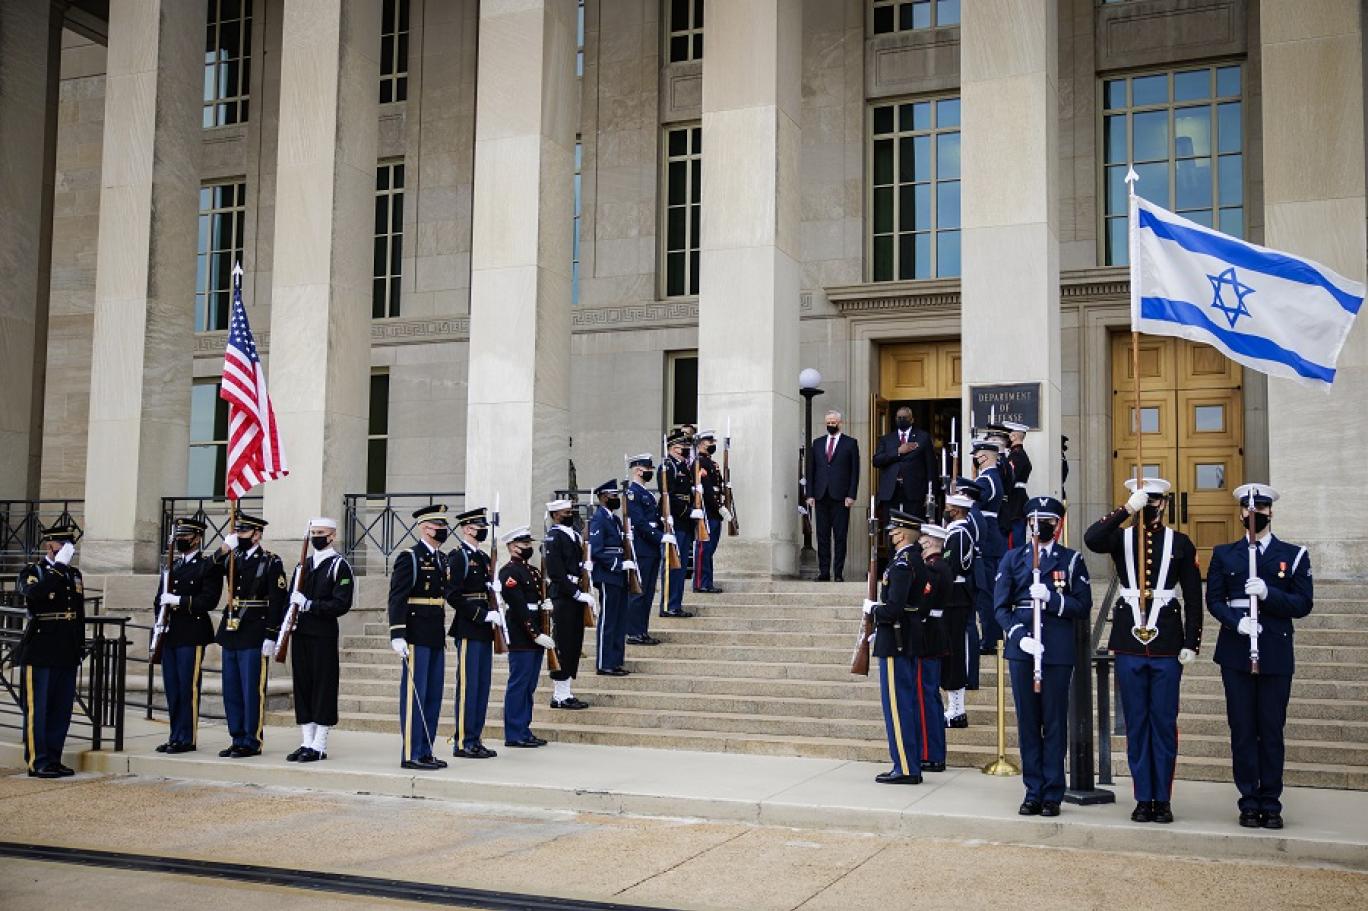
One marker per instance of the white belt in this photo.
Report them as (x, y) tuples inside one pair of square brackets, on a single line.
[(1020, 485), (961, 579), (1162, 595), (937, 613), (1239, 602), (991, 515)]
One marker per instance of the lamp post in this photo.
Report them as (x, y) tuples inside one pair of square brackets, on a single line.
[(808, 382)]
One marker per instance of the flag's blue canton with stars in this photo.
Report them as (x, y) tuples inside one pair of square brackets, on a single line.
[(1241, 291)]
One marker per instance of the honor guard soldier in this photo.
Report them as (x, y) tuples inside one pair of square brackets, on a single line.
[(521, 584), (318, 598), (960, 669), (895, 616), (1152, 641), (937, 582), (49, 653), (563, 560), (417, 627), (984, 576), (1255, 648), (610, 576), (1019, 464), (475, 617), (674, 470), (189, 596), (647, 539), (247, 632), (992, 542), (715, 510), (1065, 598)]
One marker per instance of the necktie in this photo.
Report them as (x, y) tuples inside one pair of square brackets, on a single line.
[(902, 436), (831, 448)]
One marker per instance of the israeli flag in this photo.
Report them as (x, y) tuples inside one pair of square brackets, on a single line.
[(1273, 312)]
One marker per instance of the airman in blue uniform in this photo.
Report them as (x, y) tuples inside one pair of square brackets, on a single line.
[(1256, 699), (610, 576), (896, 639), (1065, 599), (647, 534)]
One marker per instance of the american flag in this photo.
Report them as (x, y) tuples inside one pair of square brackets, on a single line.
[(254, 453)]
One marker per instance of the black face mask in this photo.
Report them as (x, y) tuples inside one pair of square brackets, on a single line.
[(568, 520), (709, 449), (481, 534), (1153, 513), (646, 476), (1261, 522), (904, 423), (319, 542), (1046, 531), (185, 545), (522, 553), (612, 502), (833, 429), (440, 535)]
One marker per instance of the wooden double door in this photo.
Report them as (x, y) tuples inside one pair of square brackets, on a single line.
[(1192, 416)]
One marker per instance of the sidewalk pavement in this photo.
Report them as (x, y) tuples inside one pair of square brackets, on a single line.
[(1324, 827)]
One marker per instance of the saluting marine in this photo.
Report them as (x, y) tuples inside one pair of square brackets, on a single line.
[(520, 583), (563, 559), (247, 631), (1152, 642), (674, 469), (1065, 597), (644, 511), (49, 653), (895, 644), (475, 616), (417, 627), (610, 575), (195, 585), (322, 595), (1281, 591)]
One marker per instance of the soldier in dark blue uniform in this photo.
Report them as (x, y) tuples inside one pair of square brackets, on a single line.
[(644, 511), (193, 593), (248, 630), (715, 510), (960, 669), (1019, 464), (983, 579), (992, 542), (610, 576), (324, 594), (675, 470), (1066, 599), (417, 624), (1256, 703), (937, 582), (1152, 642), (49, 654), (474, 618), (563, 560), (896, 640), (520, 583)]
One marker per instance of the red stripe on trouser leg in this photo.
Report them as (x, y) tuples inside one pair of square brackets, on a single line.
[(921, 714)]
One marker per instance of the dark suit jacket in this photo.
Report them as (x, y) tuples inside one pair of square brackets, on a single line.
[(839, 478), (916, 468)]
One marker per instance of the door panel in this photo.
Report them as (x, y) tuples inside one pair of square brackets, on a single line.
[(908, 372)]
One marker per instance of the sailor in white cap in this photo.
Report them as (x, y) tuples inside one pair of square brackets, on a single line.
[(1256, 587), (323, 594), (567, 583)]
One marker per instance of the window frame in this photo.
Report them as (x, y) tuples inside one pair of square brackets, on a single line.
[(218, 485), (207, 294), (379, 377), (933, 12), (394, 32), (391, 297), (577, 220), (226, 110), (672, 360), (693, 211), (693, 35)]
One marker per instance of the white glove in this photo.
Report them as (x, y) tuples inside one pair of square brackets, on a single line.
[(1187, 656), (587, 566), (725, 513), (698, 488), (1039, 592), (584, 597), (1256, 588), (268, 648), (545, 604), (400, 647), (870, 605), (490, 586), (1248, 627), (1136, 502), (696, 514), (231, 542), (1031, 646), (628, 564), (802, 511), (669, 539), (66, 553), (170, 599), (298, 599), (545, 641)]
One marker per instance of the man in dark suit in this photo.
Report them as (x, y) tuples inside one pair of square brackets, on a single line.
[(833, 477), (907, 464)]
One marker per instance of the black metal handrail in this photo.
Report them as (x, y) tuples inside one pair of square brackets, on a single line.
[(379, 525), (1108, 721), (213, 511), (22, 523)]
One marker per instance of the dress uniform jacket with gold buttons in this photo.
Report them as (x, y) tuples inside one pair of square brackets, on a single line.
[(199, 583), (898, 628), (258, 599), (417, 598), (53, 594)]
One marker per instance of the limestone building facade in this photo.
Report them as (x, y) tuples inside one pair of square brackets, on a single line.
[(485, 241)]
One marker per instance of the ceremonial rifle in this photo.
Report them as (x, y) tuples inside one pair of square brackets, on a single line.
[(803, 496), (666, 515), (1253, 573), (586, 582), (1037, 662), (159, 626), (552, 659), (628, 547), (287, 626), (500, 628), (699, 514), (733, 525), (859, 662)]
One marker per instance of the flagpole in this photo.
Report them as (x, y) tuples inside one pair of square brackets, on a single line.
[(1142, 566)]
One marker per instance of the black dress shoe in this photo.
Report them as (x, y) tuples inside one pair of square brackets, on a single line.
[(649, 640), (522, 744), (891, 777), (227, 752), (439, 763), (50, 771), (309, 754), (163, 747), (677, 614), (1029, 808), (1251, 819), (840, 578), (246, 752), (538, 740), (294, 757), (1272, 821), (988, 650), (475, 752), (959, 721), (1049, 808), (711, 591), (933, 767), (485, 752), (419, 765), (612, 672), (823, 577), (181, 748), (635, 640), (1143, 812), (66, 770), (1163, 813), (572, 703)]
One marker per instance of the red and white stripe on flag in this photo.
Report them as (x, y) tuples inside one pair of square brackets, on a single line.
[(254, 453)]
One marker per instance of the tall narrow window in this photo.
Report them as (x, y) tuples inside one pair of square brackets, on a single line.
[(910, 15), (683, 185), (686, 30), (681, 394), (377, 434), (1182, 131), (222, 213), (389, 239), (579, 208), (227, 62), (914, 203), (208, 440), (394, 41), (579, 39)]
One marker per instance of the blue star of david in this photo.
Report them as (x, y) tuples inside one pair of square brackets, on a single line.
[(1241, 290)]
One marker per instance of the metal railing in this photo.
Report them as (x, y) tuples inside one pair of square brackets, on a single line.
[(1107, 695), (376, 526), (100, 696), (22, 523), (213, 511)]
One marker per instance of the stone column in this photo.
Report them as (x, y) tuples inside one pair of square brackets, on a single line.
[(1314, 205), (518, 416), (30, 69), (320, 288), (1010, 310), (140, 370), (750, 275)]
